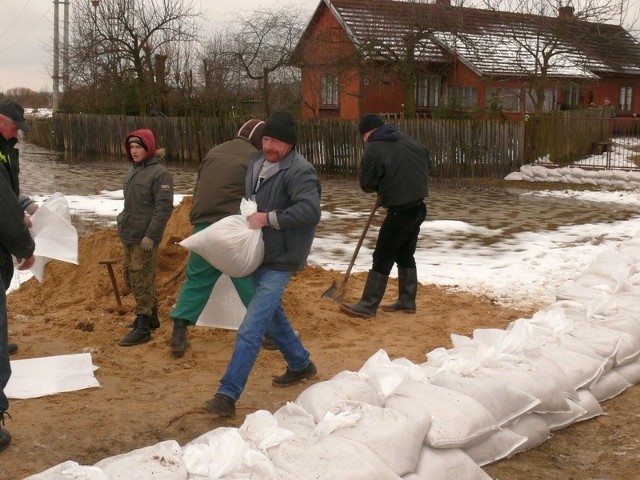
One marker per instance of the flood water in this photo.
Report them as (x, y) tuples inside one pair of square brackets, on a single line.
[(505, 213)]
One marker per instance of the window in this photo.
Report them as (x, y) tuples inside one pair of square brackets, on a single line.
[(572, 95), (548, 105), (463, 97), (505, 99), (428, 91), (329, 91), (626, 96)]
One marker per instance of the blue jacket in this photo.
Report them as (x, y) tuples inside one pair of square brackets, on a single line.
[(293, 193)]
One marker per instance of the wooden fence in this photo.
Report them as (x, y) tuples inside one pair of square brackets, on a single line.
[(459, 148)]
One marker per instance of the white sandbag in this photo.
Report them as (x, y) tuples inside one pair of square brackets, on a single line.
[(630, 371), (457, 420), (294, 418), (323, 397), (514, 177), (500, 444), (559, 420), (385, 375), (504, 402), (329, 458), (396, 437), (225, 454), (610, 385), (70, 470), (536, 382), (589, 404), (447, 464), (162, 461), (262, 430), (582, 370), (534, 428), (230, 245)]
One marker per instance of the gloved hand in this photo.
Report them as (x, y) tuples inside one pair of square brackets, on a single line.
[(147, 244)]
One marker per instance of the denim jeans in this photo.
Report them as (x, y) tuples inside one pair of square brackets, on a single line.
[(264, 315), (5, 366)]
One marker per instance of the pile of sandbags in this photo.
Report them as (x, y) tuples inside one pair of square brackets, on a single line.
[(620, 179), (493, 394)]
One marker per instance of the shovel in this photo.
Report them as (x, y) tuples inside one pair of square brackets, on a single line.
[(336, 291)]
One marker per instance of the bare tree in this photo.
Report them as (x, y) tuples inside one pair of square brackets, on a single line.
[(124, 46), (262, 46)]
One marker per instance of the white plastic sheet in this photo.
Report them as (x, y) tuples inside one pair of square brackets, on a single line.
[(54, 235), (224, 309), (37, 377)]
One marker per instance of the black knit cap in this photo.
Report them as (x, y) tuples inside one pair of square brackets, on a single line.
[(280, 125), (369, 121)]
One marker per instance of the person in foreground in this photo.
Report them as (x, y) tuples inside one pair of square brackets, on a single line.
[(218, 193), (15, 240), (287, 191), (148, 204), (395, 167), (11, 121)]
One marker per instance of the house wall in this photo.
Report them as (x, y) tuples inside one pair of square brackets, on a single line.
[(328, 51)]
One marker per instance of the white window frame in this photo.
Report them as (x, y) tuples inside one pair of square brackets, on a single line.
[(329, 91), (428, 91), (626, 99)]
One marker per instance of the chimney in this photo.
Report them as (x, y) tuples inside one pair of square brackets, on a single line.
[(565, 13)]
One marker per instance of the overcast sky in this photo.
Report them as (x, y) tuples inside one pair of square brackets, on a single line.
[(26, 34)]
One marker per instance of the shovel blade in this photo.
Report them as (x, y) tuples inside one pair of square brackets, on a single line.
[(334, 291)]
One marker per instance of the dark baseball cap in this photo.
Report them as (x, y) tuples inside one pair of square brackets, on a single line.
[(13, 110)]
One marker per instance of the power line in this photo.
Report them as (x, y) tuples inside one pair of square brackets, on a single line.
[(25, 33), (16, 18)]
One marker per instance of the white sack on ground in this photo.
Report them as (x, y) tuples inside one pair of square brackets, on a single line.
[(224, 309), (500, 444), (70, 470), (230, 244), (37, 377), (323, 397), (55, 237), (503, 401), (457, 420), (396, 437), (162, 461), (447, 464), (329, 458)]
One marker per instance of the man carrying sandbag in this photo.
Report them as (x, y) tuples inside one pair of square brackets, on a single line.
[(286, 189), (218, 192)]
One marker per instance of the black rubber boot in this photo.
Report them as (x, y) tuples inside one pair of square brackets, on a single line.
[(154, 321), (371, 297), (140, 333), (407, 289), (179, 342)]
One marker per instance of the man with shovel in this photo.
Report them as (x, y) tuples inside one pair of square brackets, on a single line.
[(395, 167)]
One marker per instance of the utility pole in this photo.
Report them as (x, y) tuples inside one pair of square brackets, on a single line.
[(65, 48), (56, 56)]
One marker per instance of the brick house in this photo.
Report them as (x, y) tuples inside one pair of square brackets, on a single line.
[(401, 57)]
